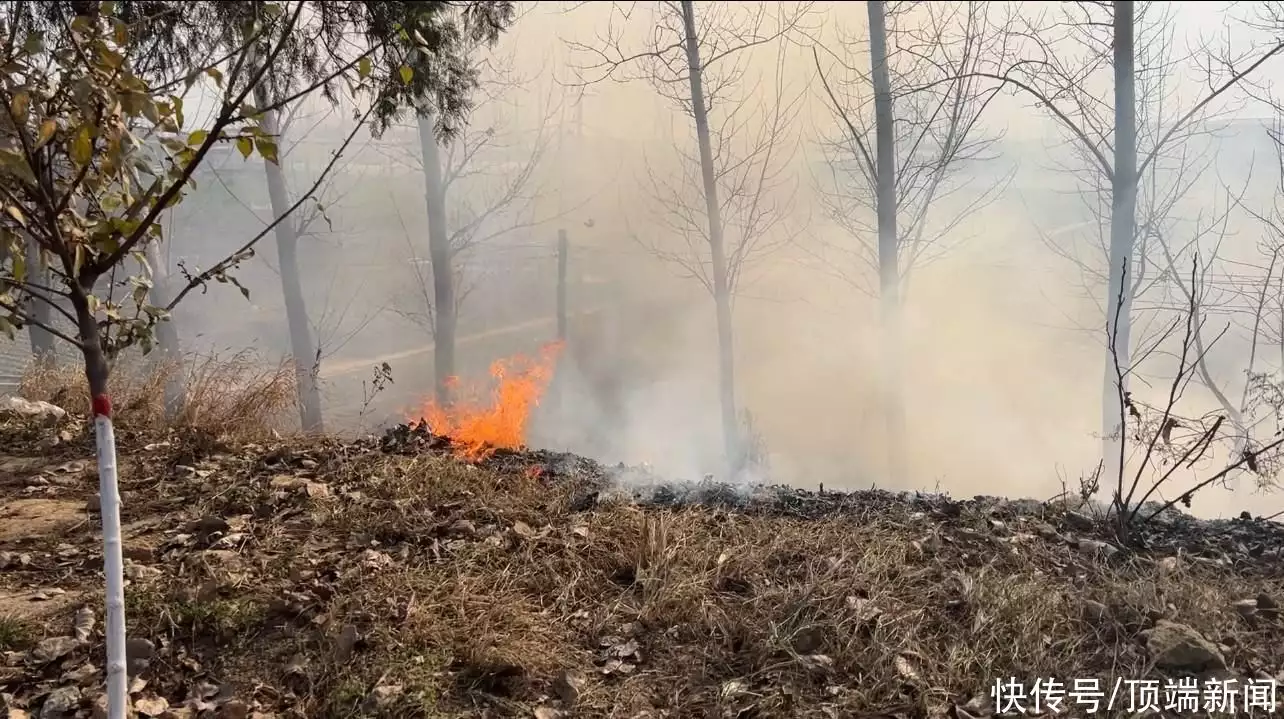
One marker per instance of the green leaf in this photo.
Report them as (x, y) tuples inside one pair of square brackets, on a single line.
[(407, 74), (16, 214), (82, 146), (245, 145), (77, 264), (34, 43), (150, 111), (15, 164), (20, 106), (267, 148), (196, 139), (19, 266), (363, 67), (47, 130)]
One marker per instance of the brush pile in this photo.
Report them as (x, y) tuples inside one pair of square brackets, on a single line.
[(385, 577)]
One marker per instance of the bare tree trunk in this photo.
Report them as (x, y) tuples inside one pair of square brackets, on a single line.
[(443, 278), (42, 340), (97, 373), (721, 284), (1122, 237), (296, 309), (888, 267), (169, 347)]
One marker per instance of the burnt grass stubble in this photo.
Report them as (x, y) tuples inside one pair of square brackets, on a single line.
[(382, 577)]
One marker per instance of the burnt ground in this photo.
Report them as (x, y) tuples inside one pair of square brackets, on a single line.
[(383, 577)]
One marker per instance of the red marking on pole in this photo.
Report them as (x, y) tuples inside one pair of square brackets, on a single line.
[(102, 406)]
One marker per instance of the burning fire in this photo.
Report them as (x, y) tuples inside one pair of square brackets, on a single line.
[(476, 427)]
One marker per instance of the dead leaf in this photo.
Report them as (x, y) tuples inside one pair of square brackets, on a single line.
[(523, 529), (316, 490), (62, 701), (731, 688), (462, 528), (285, 481), (53, 648), (151, 706), (905, 667), (548, 713), (383, 696), (83, 625)]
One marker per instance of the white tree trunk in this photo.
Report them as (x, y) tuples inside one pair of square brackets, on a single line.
[(717, 252), (444, 317), (306, 359), (888, 266), (97, 373), (1122, 238), (113, 559)]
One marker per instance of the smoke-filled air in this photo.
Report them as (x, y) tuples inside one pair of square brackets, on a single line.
[(754, 269), (456, 263)]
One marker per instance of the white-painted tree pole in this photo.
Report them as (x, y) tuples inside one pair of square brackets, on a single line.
[(113, 563), (1122, 239)]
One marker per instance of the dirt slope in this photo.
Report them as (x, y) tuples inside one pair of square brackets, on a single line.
[(385, 578)]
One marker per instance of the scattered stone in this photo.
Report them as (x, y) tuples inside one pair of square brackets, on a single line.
[(568, 686), (345, 643), (1097, 548), (1080, 521), (206, 526), (1179, 647), (20, 408), (1267, 607), (138, 654), (94, 504)]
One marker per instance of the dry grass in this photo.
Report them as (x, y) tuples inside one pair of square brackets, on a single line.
[(236, 396), (464, 591)]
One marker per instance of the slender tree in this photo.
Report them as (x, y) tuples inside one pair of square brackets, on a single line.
[(84, 123), (696, 63), (1066, 90), (893, 172)]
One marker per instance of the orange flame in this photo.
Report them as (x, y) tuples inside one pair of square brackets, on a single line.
[(478, 428)]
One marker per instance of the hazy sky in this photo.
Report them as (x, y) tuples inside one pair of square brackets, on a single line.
[(1004, 392)]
